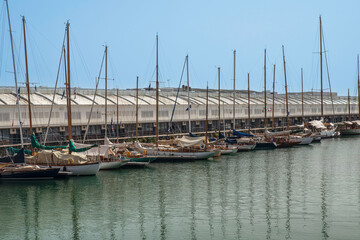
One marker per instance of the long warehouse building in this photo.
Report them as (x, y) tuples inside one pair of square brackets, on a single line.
[(335, 110)]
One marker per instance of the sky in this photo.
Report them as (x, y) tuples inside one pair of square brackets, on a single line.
[(208, 31)]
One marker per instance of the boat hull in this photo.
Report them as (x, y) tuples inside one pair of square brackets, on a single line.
[(228, 151), (265, 145), (39, 174), (350, 132), (111, 165), (87, 169), (243, 148), (181, 156)]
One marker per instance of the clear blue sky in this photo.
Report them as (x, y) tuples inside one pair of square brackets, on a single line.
[(206, 30)]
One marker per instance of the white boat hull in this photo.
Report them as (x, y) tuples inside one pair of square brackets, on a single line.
[(306, 140), (228, 151), (111, 165), (80, 169), (180, 156), (327, 133), (246, 147)]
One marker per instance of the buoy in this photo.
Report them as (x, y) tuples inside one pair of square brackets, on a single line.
[(202, 146)]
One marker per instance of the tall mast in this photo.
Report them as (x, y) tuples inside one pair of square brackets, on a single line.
[(286, 95), (106, 91), (68, 82), (349, 104), (207, 113), (188, 90), (321, 73), (358, 88), (137, 107), (117, 115), (234, 91), (302, 96), (27, 77), (157, 91), (219, 99), (265, 122), (16, 85), (249, 101), (273, 101)]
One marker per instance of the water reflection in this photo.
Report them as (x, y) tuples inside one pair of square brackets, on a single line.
[(209, 201), (251, 192), (323, 190), (223, 197), (267, 198), (162, 207), (237, 200), (193, 207), (289, 163)]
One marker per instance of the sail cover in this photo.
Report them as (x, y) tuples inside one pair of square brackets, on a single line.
[(187, 141), (57, 158), (18, 158), (36, 144), (241, 134)]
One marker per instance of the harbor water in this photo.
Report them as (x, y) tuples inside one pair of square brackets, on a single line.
[(307, 192)]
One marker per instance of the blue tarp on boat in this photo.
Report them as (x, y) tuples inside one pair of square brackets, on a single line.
[(241, 134)]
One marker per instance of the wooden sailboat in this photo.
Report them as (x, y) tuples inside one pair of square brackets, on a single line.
[(352, 127), (225, 148), (74, 163), (320, 129), (183, 149), (15, 168), (260, 141)]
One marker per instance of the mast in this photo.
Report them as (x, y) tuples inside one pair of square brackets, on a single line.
[(207, 113), (302, 96), (137, 107), (273, 101), (16, 85), (27, 78), (106, 91), (234, 92), (157, 91), (286, 95), (117, 115), (321, 73), (265, 123), (219, 100), (349, 104), (358, 88), (188, 90), (249, 101), (68, 82)]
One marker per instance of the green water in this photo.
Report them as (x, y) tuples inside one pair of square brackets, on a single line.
[(309, 192)]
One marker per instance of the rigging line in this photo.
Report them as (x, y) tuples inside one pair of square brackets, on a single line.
[(2, 37), (35, 61), (57, 78), (43, 35), (74, 39), (93, 102), (177, 94), (44, 63), (150, 63), (328, 75), (113, 70)]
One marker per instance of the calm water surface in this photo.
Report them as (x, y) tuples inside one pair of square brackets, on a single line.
[(310, 192)]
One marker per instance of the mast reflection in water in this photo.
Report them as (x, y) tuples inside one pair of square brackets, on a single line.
[(297, 193)]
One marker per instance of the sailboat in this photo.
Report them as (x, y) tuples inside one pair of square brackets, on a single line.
[(352, 127), (106, 153), (319, 127), (15, 168), (67, 160), (181, 149)]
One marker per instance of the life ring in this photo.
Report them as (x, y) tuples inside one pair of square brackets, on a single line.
[(202, 146), (70, 161)]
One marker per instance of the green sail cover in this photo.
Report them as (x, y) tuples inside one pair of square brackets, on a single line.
[(72, 147), (36, 144), (12, 151)]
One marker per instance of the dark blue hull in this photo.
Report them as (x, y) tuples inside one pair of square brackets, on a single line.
[(264, 146), (29, 175)]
